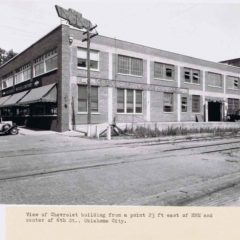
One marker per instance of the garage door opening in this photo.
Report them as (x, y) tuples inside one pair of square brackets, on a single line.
[(214, 111)]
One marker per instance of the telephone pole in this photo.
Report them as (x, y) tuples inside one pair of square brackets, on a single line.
[(89, 36)]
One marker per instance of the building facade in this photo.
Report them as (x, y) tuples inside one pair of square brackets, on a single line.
[(46, 85)]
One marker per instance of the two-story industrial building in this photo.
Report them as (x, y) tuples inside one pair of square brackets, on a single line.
[(45, 85)]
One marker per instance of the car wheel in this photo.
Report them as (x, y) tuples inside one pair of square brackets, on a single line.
[(14, 131), (6, 127)]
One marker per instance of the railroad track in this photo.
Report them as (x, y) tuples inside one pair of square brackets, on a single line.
[(206, 145)]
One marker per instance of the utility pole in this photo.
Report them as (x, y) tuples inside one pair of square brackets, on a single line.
[(89, 36)]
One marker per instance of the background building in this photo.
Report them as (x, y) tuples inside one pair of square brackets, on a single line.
[(45, 85)]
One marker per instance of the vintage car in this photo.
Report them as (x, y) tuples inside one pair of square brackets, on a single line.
[(7, 127)]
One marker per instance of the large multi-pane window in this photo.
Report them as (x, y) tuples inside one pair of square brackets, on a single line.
[(130, 65), (23, 74), (129, 101), (83, 99), (82, 59), (168, 102), (45, 63), (195, 103), (163, 71), (184, 104), (233, 105), (233, 82), (7, 81), (214, 79), (191, 75)]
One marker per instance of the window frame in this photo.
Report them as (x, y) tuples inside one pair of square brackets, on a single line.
[(171, 105), (42, 60), (213, 84), (125, 103), (184, 105), (234, 107), (130, 60), (7, 79), (191, 75), (163, 76), (198, 110), (91, 50), (21, 71), (233, 79), (85, 112)]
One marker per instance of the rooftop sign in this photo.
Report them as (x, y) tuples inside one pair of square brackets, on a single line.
[(74, 18)]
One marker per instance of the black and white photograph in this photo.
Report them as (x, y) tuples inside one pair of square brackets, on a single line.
[(120, 103)]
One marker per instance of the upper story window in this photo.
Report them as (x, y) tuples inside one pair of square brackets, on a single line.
[(51, 60), (233, 82), (82, 59), (23, 74), (163, 71), (191, 75), (130, 65), (45, 63), (214, 79), (168, 102), (7, 81)]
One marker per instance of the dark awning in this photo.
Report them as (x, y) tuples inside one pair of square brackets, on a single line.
[(46, 93), (14, 99), (3, 100)]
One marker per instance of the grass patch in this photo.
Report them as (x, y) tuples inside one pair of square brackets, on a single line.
[(147, 132)]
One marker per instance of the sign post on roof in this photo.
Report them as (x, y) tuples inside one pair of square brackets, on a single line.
[(73, 17)]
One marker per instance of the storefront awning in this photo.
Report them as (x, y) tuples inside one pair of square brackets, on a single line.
[(46, 93), (3, 100), (14, 99)]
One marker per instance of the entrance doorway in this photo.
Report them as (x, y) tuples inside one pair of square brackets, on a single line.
[(214, 111)]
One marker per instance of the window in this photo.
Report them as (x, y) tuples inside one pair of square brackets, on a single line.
[(120, 100), (51, 63), (83, 101), (233, 105), (23, 74), (82, 58), (164, 71), (233, 82), (195, 103), (129, 101), (39, 66), (215, 79), (191, 75), (27, 74), (130, 65), (7, 81), (45, 63), (184, 104), (138, 106), (168, 102)]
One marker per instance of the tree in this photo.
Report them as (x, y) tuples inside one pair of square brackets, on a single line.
[(6, 55)]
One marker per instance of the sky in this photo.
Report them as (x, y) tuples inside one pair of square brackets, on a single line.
[(204, 29)]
